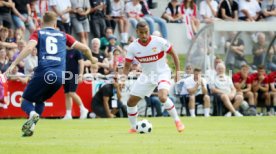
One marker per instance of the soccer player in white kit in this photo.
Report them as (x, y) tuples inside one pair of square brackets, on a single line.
[(151, 52)]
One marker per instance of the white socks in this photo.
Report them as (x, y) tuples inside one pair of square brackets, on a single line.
[(192, 112), (132, 115), (207, 112), (169, 106), (68, 112), (82, 107), (32, 113)]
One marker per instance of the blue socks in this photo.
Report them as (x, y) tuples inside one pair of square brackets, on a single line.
[(39, 108), (27, 106)]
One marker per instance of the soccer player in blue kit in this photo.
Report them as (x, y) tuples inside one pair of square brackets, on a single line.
[(47, 79)]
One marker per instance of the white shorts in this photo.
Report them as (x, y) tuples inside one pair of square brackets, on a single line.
[(145, 85)]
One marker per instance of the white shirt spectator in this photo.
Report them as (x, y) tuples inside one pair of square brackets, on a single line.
[(191, 83), (61, 6), (251, 6), (30, 64), (269, 5), (223, 83), (132, 10), (117, 9), (168, 11), (205, 10)]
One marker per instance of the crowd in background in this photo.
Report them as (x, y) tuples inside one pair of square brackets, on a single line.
[(97, 20)]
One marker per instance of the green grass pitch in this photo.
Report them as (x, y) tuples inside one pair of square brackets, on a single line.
[(214, 135)]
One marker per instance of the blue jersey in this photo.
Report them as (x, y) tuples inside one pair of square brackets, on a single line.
[(51, 50)]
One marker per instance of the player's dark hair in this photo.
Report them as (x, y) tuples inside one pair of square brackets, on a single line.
[(261, 67), (197, 70), (141, 24), (49, 17)]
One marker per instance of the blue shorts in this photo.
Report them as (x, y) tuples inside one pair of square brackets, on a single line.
[(19, 23), (38, 90)]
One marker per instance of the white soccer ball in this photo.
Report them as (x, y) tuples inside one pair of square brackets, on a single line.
[(143, 126)]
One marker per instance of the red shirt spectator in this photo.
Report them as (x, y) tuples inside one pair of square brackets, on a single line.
[(255, 78), (237, 78)]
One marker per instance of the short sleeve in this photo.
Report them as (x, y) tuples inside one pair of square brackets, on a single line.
[(235, 78), (129, 55), (34, 36), (107, 90), (202, 9), (78, 55), (266, 80), (70, 41), (168, 11), (166, 46)]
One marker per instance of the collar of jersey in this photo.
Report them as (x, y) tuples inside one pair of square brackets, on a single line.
[(145, 44)]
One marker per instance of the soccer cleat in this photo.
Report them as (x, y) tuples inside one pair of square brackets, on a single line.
[(238, 114), (83, 114), (67, 117), (29, 125), (179, 126), (228, 114), (132, 131)]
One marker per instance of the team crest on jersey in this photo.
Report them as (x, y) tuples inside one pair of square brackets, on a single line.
[(154, 49)]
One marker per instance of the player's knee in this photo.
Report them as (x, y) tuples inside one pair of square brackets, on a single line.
[(239, 98)]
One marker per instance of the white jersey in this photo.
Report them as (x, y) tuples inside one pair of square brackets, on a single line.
[(223, 83), (151, 55)]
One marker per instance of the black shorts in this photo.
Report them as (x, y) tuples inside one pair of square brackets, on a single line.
[(98, 107), (38, 90), (70, 85), (199, 98)]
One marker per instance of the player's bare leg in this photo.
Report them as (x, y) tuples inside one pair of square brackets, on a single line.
[(169, 106), (132, 112)]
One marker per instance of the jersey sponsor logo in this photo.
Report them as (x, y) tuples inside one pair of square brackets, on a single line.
[(151, 58)]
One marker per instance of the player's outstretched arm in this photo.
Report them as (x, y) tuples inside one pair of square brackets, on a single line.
[(23, 54), (86, 51), (176, 63)]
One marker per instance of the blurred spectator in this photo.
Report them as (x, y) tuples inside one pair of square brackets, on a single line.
[(107, 101), (102, 60), (116, 60), (133, 11), (151, 19), (271, 58), (118, 16), (197, 89), (210, 73), (228, 10), (272, 83), (21, 44), (30, 62), (18, 35), (35, 13), (5, 13), (249, 10), (222, 86), (18, 76), (80, 23), (62, 10), (189, 9), (235, 55), (188, 70), (22, 15), (260, 87), (112, 46), (154, 102), (269, 10), (104, 39), (4, 33), (73, 76), (97, 15), (208, 10), (43, 7), (172, 12), (259, 50), (4, 62), (243, 84)]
